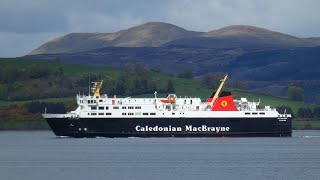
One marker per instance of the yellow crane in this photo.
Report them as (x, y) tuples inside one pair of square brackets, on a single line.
[(96, 88), (219, 89)]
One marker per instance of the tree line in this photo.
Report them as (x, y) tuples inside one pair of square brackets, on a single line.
[(133, 80), (36, 82), (303, 112)]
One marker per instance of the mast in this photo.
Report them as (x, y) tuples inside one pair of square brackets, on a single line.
[(219, 89), (89, 86), (96, 88)]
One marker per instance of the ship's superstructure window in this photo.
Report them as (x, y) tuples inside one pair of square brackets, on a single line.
[(100, 100), (124, 107), (138, 107), (107, 107), (91, 101), (262, 113), (108, 114), (101, 114), (152, 113), (116, 107), (145, 114), (101, 108), (191, 101), (94, 108), (130, 113), (247, 113), (173, 113), (93, 113), (124, 113), (130, 107), (254, 113)]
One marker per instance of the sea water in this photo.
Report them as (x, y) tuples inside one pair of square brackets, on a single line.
[(39, 155)]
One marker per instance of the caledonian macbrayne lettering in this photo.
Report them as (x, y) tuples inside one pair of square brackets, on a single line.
[(220, 115), (190, 128)]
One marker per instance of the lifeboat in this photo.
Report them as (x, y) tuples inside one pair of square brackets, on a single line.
[(171, 98), (168, 100)]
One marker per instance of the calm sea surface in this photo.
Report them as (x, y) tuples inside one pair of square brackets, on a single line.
[(39, 155)]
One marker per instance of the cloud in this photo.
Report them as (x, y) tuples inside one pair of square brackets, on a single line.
[(88, 21), (30, 17), (294, 17), (17, 44), (33, 22)]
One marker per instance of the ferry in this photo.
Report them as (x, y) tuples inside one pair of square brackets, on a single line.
[(221, 115)]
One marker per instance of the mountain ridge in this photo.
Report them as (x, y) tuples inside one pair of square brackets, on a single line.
[(156, 34)]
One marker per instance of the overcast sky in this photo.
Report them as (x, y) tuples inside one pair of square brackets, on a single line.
[(26, 24)]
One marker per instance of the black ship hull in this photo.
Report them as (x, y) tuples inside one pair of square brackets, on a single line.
[(171, 127)]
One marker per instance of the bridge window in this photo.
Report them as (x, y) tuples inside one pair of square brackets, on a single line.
[(94, 108)]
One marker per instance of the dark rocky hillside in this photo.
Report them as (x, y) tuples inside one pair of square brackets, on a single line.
[(264, 60), (266, 70)]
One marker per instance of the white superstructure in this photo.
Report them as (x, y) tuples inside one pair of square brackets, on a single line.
[(96, 106)]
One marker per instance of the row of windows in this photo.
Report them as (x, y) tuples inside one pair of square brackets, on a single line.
[(100, 114), (94, 101), (185, 101), (254, 113), (145, 114), (114, 107), (91, 101)]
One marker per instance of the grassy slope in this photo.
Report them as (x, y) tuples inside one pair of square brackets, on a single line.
[(184, 87)]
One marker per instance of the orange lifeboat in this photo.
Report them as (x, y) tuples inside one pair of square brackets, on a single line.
[(171, 98), (168, 100)]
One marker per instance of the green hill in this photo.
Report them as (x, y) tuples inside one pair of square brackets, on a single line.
[(63, 81)]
